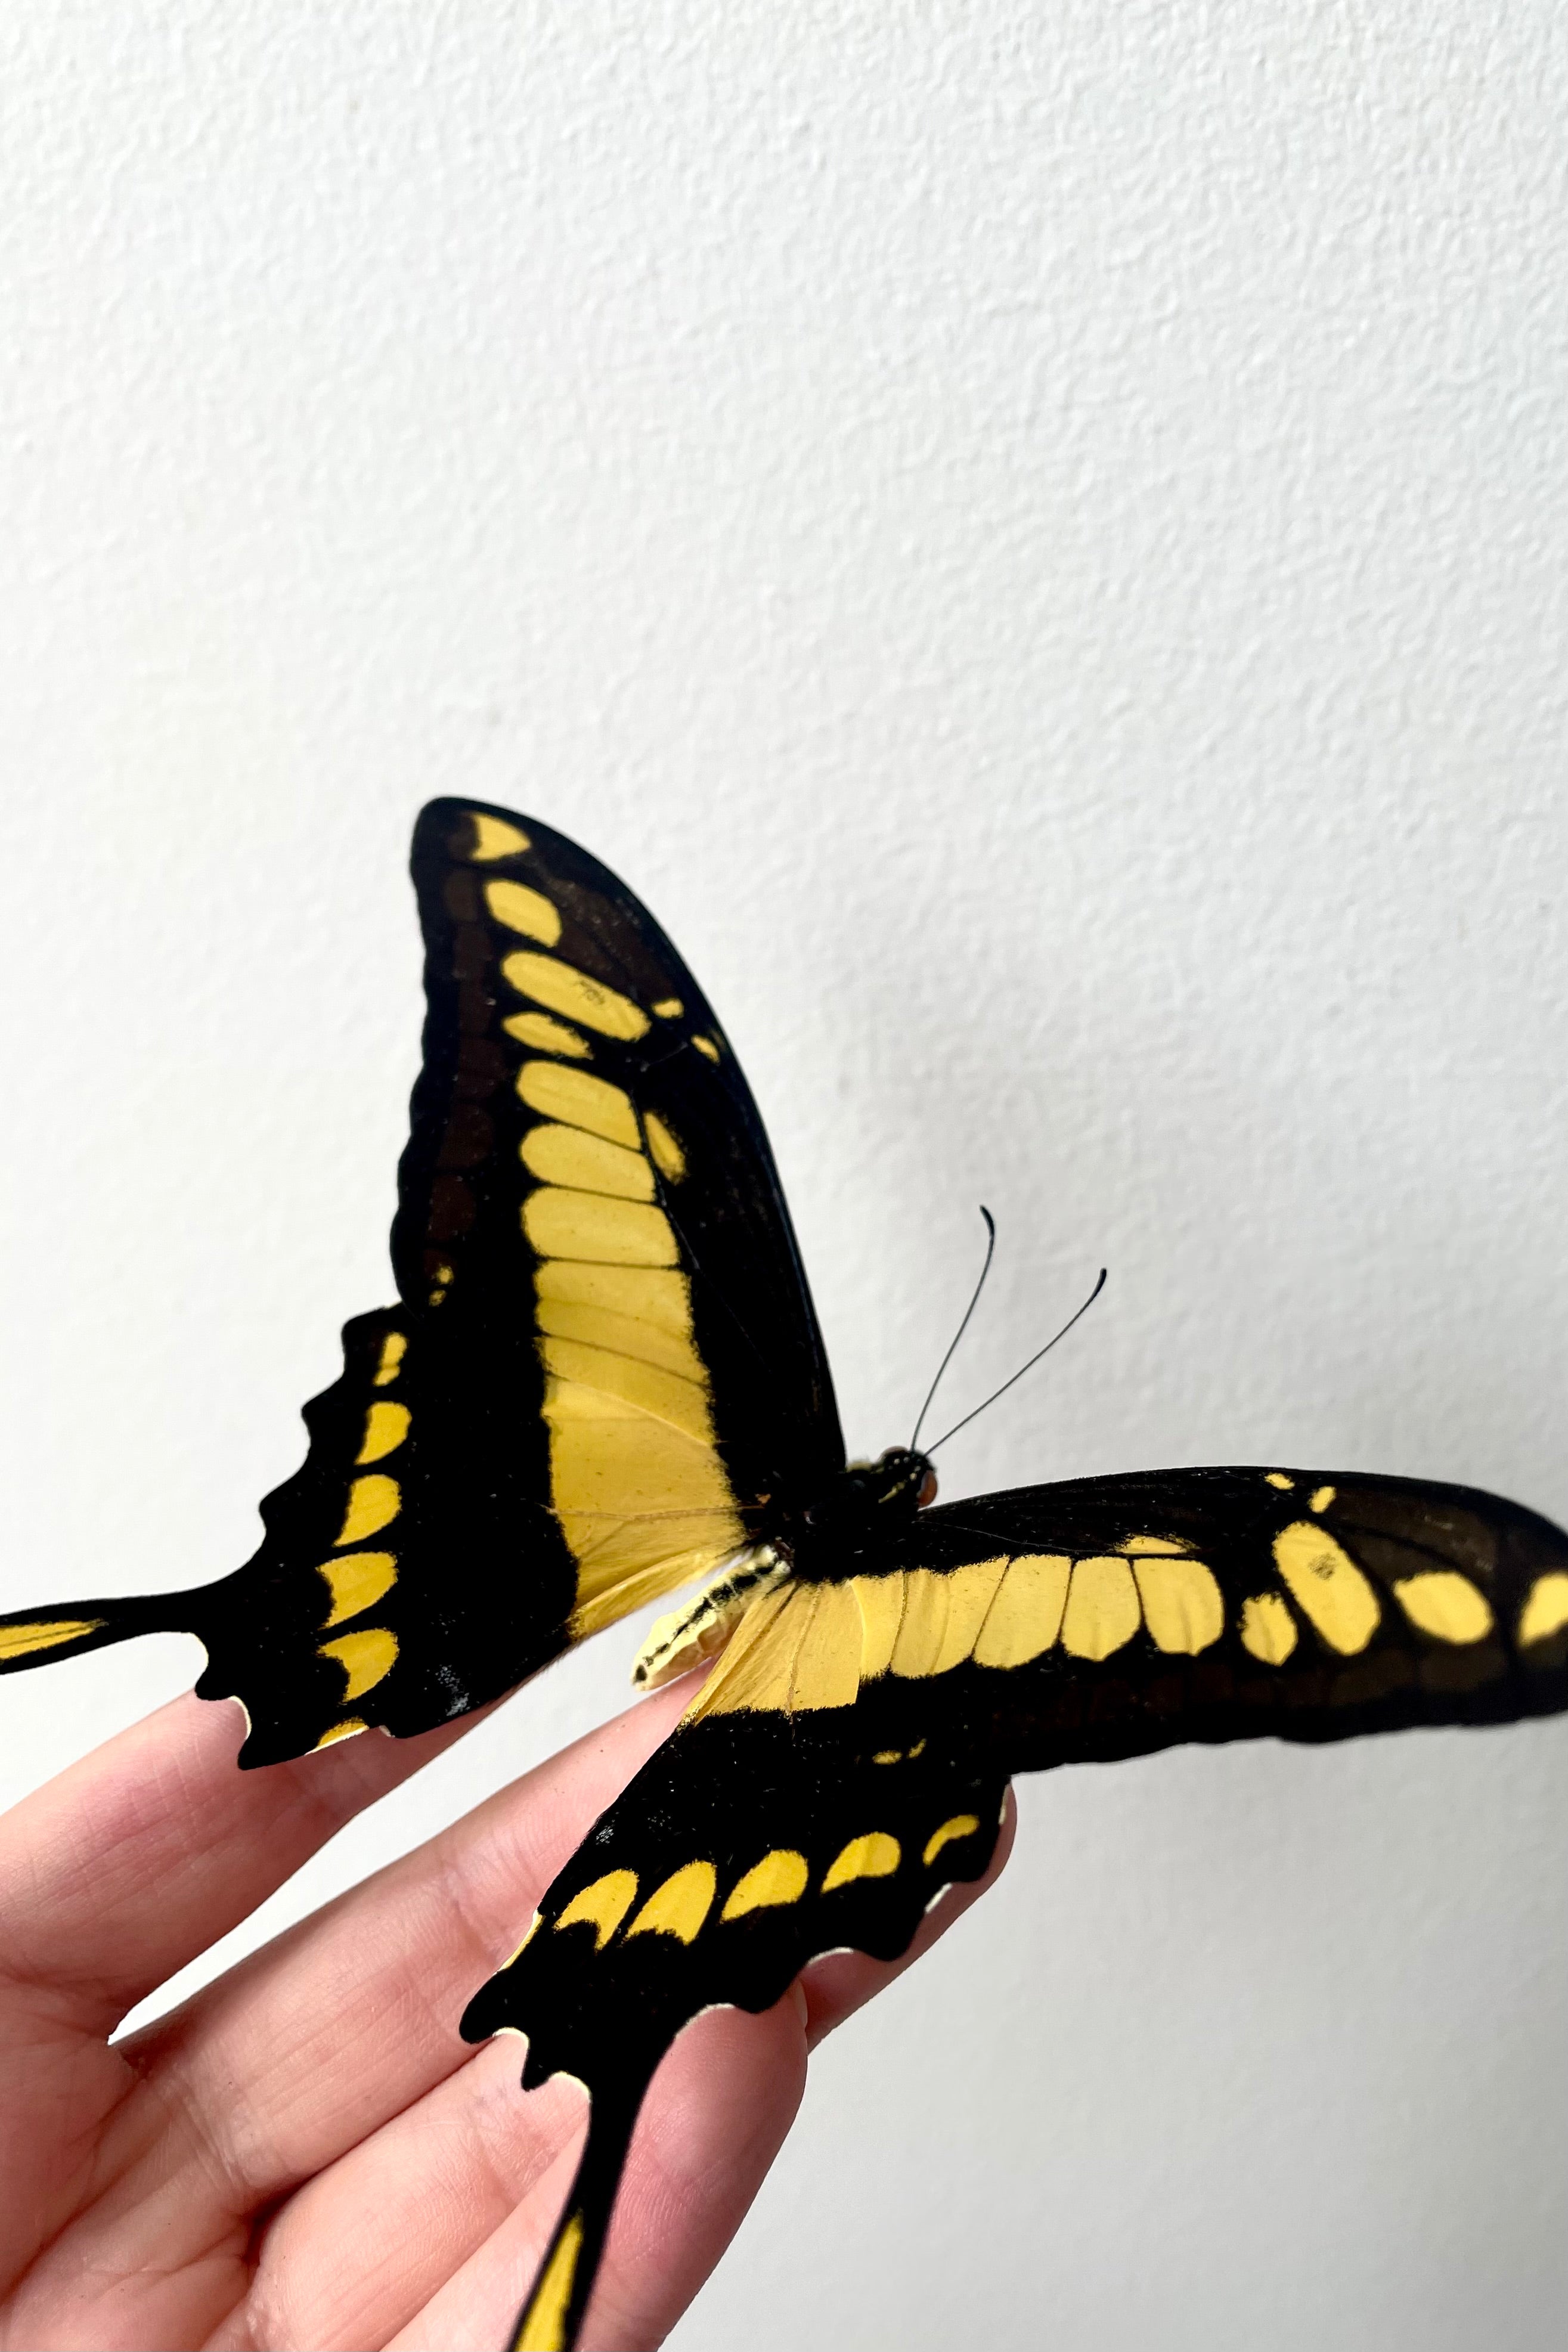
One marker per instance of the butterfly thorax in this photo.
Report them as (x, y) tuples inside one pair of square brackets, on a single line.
[(850, 1524)]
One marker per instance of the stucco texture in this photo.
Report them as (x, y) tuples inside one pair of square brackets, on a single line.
[(1036, 538)]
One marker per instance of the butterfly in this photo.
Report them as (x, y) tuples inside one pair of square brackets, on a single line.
[(604, 1382)]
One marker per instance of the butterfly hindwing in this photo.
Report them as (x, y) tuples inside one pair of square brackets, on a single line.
[(849, 1750), (750, 1842), (603, 1359)]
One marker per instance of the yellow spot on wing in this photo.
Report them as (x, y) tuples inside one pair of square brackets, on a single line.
[(355, 1581), (637, 1484), (1545, 1613), (581, 1099), (373, 1503), (1152, 1546), (680, 1906), (385, 1427), (566, 1155), (1182, 1604), (549, 1035), (706, 1046), (943, 1616), (1277, 1478), (639, 1293), (1446, 1605), (1320, 1499), (494, 837), (797, 1648), (625, 1334), (970, 1593), (603, 1905), (876, 1856), (393, 1350), (670, 1008), (592, 1377), (780, 1878), (349, 1729), (1102, 1608), (561, 988), (667, 1155), (1026, 1617), (1326, 1586), (826, 1667), (366, 1658), (880, 1600), (643, 1502), (543, 2326), (525, 910), (44, 1633), (1267, 1627), (962, 1825), (593, 1226)]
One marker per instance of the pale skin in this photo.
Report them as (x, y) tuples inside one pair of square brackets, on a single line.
[(305, 2153)]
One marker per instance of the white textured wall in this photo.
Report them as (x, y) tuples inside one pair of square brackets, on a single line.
[(1036, 537)]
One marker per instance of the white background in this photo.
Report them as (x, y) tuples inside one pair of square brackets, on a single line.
[(1036, 539)]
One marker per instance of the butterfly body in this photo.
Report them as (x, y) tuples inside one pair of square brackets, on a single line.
[(856, 1518), (603, 1382)]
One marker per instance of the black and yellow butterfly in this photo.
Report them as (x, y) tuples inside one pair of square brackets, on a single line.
[(603, 1379)]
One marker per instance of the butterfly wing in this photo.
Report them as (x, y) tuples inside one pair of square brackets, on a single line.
[(847, 1757), (1111, 1617), (752, 1841), (605, 1357)]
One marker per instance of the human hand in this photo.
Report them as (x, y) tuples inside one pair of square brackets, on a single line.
[(305, 2153)]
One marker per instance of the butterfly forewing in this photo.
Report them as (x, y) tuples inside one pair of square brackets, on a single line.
[(1218, 1605), (1112, 1616), (604, 1362)]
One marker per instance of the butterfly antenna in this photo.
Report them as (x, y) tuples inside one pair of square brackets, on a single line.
[(990, 1252), (1018, 1375)]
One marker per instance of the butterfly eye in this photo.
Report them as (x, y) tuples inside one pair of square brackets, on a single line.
[(927, 1494)]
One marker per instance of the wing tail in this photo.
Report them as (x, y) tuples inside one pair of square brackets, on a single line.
[(749, 1843), (36, 1637), (553, 2315)]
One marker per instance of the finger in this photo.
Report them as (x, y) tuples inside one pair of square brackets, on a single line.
[(306, 2048), (714, 2120), (120, 1870), (465, 2187)]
